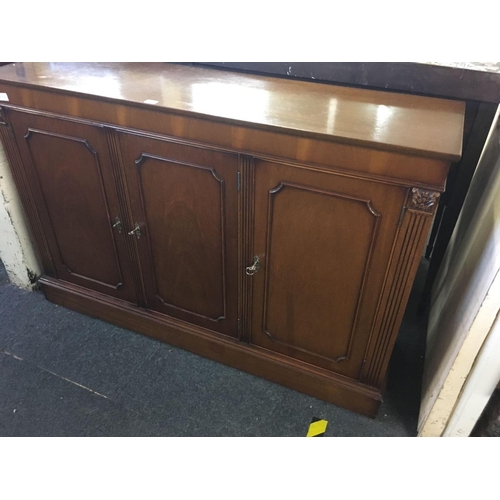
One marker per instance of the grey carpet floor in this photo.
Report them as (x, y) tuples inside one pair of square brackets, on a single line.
[(65, 374)]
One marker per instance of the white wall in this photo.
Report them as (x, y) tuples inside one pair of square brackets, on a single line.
[(16, 248)]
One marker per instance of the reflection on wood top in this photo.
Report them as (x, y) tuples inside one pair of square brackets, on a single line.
[(405, 123)]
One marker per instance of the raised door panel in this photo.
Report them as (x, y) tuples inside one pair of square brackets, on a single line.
[(71, 178), (324, 243), (185, 201)]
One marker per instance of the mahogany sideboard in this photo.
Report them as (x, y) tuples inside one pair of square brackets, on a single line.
[(272, 225)]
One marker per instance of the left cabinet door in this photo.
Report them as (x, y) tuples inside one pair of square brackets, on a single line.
[(70, 175)]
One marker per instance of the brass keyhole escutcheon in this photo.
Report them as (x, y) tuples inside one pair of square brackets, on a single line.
[(251, 270), (136, 231), (118, 224)]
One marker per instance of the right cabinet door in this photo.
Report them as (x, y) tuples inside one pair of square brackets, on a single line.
[(324, 242)]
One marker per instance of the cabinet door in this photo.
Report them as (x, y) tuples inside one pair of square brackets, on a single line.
[(184, 199), (324, 242), (70, 175)]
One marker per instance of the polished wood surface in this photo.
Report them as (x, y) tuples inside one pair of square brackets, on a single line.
[(338, 228), (385, 166), (185, 201), (464, 81), (398, 122), (399, 275), (476, 83), (70, 175), (324, 243)]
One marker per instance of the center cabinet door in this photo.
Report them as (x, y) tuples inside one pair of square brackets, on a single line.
[(324, 242), (184, 199)]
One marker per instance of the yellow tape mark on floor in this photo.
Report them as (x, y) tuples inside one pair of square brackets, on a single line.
[(316, 428)]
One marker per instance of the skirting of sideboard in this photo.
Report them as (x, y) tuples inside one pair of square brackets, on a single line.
[(294, 374)]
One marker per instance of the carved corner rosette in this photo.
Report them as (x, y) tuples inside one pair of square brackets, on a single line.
[(423, 200)]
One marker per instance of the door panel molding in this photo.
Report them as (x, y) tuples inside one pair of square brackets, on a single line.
[(372, 237), (140, 162), (84, 142)]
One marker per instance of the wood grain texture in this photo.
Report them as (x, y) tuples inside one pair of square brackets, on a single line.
[(312, 248), (405, 258), (466, 81), (66, 200), (323, 243), (246, 209), (384, 166), (477, 83), (375, 119), (125, 210), (186, 234), (260, 362), (211, 184), (185, 200), (70, 175)]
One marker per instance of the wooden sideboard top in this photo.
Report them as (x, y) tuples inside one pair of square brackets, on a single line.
[(471, 81), (410, 124)]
